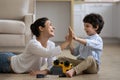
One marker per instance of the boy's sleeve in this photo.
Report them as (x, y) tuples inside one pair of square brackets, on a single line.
[(76, 51), (94, 44)]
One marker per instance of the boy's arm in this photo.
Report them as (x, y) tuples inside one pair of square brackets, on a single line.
[(74, 50), (80, 40)]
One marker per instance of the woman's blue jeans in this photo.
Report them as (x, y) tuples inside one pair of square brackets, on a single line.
[(5, 62)]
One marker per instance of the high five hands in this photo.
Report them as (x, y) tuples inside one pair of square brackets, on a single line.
[(68, 40), (70, 35)]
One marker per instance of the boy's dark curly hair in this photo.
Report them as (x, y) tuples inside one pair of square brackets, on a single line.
[(95, 20)]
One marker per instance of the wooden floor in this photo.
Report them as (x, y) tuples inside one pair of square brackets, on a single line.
[(110, 68)]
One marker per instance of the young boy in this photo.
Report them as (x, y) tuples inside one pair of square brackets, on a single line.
[(89, 50)]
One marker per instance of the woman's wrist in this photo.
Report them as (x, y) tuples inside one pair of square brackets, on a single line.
[(64, 45)]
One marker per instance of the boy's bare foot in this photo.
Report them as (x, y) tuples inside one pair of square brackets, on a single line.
[(70, 73)]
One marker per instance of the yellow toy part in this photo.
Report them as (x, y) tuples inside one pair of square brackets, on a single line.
[(66, 65)]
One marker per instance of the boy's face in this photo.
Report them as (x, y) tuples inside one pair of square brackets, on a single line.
[(89, 29)]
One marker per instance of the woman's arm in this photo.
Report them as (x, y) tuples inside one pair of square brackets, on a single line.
[(44, 72), (71, 48), (68, 39), (38, 49)]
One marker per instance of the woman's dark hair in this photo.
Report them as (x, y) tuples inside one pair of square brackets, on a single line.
[(38, 23), (95, 20)]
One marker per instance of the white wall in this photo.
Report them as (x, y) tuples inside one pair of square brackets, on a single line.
[(118, 20), (58, 13), (79, 13), (115, 21), (105, 9)]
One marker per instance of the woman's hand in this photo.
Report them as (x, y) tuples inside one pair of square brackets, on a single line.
[(44, 72), (69, 37)]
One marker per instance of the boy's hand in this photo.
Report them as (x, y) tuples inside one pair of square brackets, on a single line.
[(68, 39), (71, 33)]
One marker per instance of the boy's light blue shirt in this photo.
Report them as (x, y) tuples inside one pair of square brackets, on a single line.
[(93, 48)]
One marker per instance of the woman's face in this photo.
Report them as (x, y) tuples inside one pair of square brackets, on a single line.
[(48, 30), (89, 29)]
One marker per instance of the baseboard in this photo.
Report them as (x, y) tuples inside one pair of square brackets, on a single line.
[(111, 40)]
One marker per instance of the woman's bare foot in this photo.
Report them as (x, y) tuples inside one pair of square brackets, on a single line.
[(70, 73)]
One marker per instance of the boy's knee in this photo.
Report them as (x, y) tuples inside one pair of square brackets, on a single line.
[(62, 58), (90, 58)]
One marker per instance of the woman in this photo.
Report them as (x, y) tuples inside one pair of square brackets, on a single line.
[(38, 50)]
